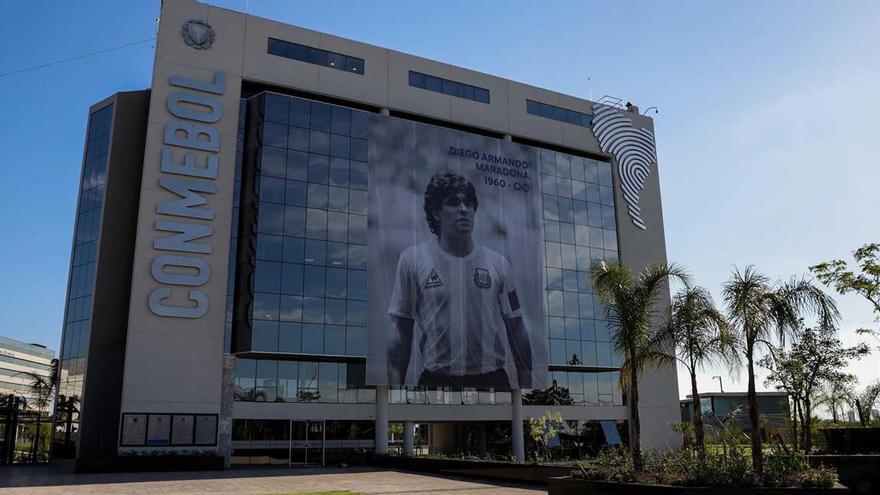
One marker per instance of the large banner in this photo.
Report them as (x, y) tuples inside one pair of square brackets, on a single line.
[(455, 259)]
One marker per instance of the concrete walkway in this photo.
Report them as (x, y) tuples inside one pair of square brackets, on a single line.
[(58, 480)]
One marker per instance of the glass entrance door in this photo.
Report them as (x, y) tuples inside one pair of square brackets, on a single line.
[(307, 439)]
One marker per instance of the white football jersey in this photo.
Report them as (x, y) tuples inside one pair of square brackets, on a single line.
[(459, 304)]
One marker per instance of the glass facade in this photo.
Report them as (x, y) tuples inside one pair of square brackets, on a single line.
[(558, 113), (580, 229), (447, 87), (302, 287), (269, 380), (81, 281)]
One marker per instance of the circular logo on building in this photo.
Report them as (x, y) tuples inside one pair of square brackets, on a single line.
[(198, 34)]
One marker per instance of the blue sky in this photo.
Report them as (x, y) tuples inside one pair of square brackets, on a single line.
[(766, 131)]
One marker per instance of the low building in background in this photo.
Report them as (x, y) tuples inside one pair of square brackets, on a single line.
[(721, 409), (19, 363)]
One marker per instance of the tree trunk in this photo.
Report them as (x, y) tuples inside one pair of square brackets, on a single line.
[(634, 419), (794, 424), (808, 422), (36, 447), (698, 415), (834, 413), (862, 420), (800, 413), (757, 455)]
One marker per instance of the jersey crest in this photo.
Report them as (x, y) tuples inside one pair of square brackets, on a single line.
[(482, 278), (434, 280)]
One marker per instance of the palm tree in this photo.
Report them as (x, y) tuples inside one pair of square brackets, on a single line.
[(631, 307), (42, 389), (702, 337), (759, 310)]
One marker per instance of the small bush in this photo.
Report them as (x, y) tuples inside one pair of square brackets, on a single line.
[(819, 477), (687, 468)]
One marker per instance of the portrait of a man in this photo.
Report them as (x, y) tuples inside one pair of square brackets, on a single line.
[(462, 295), (456, 260)]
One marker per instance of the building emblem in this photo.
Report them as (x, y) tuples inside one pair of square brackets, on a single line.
[(634, 150), (198, 34)]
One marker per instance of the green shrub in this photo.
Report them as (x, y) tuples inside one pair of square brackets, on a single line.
[(819, 477), (712, 469)]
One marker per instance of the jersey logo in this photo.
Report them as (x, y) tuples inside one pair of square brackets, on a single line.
[(482, 278), (434, 280)]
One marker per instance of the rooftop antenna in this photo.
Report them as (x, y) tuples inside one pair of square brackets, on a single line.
[(590, 85)]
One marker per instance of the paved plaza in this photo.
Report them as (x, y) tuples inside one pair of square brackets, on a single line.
[(58, 480)]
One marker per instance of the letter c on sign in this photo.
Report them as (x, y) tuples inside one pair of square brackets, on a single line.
[(169, 310)]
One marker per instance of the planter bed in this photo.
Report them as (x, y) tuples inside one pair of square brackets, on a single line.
[(497, 470), (573, 486)]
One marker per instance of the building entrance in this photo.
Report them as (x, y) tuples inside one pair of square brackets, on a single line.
[(307, 443)]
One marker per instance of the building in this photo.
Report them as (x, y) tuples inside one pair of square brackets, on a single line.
[(19, 363), (221, 286), (721, 407)]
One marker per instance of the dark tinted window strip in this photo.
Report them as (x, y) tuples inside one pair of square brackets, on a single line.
[(311, 55), (558, 113), (448, 87)]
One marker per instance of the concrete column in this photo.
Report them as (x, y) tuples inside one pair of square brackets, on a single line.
[(516, 426), (408, 435), (381, 442)]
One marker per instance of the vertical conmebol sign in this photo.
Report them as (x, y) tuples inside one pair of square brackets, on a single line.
[(455, 259), (185, 216)]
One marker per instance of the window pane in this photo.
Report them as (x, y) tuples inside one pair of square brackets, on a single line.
[(336, 282), (313, 309), (312, 340), (334, 311), (295, 193), (272, 189), (320, 116), (264, 338), (317, 56), (272, 161), (298, 138), (335, 60), (416, 79), (481, 95), (274, 134), (293, 250), (339, 146), (316, 226), (450, 87), (291, 278), (353, 64), (334, 340), (294, 220), (316, 252), (359, 124), (338, 199), (275, 108), (297, 165), (289, 337), (434, 83), (298, 52), (291, 308), (277, 47), (357, 284), (314, 280)]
